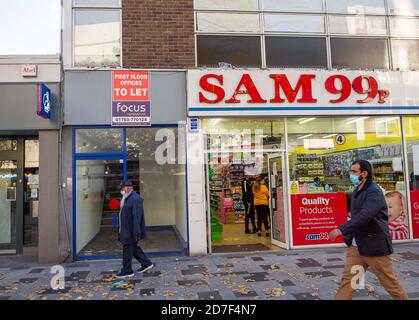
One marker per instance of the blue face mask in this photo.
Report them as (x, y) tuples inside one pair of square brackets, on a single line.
[(354, 179)]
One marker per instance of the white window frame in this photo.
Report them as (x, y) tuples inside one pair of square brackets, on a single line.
[(75, 7)]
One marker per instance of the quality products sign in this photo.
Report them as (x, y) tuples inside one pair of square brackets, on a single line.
[(414, 202), (315, 215), (130, 98)]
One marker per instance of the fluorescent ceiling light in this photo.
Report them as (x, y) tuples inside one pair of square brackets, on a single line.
[(329, 136), (306, 136), (355, 120), (318, 144), (387, 120), (305, 120)]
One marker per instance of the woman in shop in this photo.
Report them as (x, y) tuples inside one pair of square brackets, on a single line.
[(261, 202)]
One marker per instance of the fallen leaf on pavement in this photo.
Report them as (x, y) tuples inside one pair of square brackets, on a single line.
[(275, 292), (169, 293), (370, 288), (109, 277)]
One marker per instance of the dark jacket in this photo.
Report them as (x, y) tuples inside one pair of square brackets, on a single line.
[(369, 222), (248, 193), (132, 220)]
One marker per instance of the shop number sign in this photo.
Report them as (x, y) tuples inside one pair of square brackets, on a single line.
[(130, 98), (315, 215)]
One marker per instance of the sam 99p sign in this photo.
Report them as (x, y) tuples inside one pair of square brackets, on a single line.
[(131, 98), (298, 92)]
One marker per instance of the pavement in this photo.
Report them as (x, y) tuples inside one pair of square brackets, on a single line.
[(283, 275)]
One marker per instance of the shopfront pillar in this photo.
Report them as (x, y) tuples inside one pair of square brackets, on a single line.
[(48, 250), (196, 194)]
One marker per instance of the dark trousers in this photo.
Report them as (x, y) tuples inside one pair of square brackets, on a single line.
[(250, 214), (133, 250), (263, 213)]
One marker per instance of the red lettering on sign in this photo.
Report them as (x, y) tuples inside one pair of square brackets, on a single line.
[(304, 83), (218, 91), (251, 90), (344, 91), (372, 90), (336, 84)]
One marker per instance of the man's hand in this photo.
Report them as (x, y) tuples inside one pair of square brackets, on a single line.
[(333, 234)]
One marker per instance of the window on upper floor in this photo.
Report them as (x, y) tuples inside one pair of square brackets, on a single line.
[(373, 34), (97, 33)]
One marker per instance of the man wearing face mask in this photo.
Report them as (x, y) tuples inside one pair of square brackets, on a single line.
[(367, 235), (131, 230)]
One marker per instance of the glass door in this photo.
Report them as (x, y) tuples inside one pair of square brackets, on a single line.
[(278, 203), (97, 199), (8, 205)]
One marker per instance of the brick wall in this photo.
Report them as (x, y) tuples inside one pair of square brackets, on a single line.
[(158, 33)]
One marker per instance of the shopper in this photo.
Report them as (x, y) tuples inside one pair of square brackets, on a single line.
[(131, 230), (261, 201), (249, 207), (367, 235)]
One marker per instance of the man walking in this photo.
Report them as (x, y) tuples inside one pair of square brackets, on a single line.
[(367, 235), (131, 230)]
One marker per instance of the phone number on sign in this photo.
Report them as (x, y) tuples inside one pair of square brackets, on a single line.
[(131, 119)]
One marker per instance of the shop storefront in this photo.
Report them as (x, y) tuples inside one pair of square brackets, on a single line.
[(29, 152), (140, 137), (300, 130)]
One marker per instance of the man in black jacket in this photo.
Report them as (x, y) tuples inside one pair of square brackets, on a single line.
[(131, 230), (247, 198), (367, 236)]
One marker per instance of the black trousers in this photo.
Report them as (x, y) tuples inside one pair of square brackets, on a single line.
[(263, 213), (249, 215), (128, 252)]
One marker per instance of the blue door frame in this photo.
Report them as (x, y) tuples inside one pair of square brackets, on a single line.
[(114, 156)]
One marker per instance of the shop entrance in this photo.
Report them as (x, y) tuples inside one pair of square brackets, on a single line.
[(102, 159), (19, 194), (278, 203), (229, 175)]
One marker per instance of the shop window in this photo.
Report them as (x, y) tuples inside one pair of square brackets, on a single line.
[(8, 145), (293, 6), (403, 7), (356, 6), (358, 25), (295, 52), (294, 23), (411, 129), (240, 51), (156, 164), (227, 22), (99, 140), (322, 150), (405, 54), (242, 5), (404, 27), (102, 3), (359, 53), (31, 193), (97, 38)]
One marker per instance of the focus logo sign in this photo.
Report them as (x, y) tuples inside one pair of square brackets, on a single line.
[(43, 107)]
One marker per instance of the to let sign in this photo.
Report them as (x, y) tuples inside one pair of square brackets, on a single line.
[(130, 98)]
